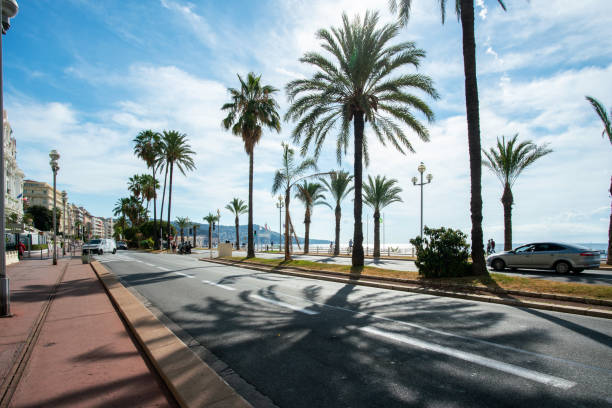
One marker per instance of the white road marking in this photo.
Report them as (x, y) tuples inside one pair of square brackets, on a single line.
[(162, 268), (287, 305), (474, 358), (148, 264), (184, 274), (219, 285)]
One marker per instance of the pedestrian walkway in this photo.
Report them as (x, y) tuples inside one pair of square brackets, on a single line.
[(74, 347)]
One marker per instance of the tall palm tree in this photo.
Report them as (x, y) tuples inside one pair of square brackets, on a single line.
[(360, 83), (135, 185), (310, 194), (285, 178), (149, 190), (507, 161), (210, 219), (194, 226), (378, 193), (252, 107), (182, 223), (339, 187), (121, 207), (147, 146), (237, 207), (465, 12), (176, 152), (607, 122)]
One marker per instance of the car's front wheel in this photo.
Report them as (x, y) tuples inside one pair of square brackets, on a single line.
[(114, 251), (101, 252), (498, 265), (562, 267)]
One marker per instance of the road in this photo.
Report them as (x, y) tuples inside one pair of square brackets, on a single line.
[(308, 343), (591, 276)]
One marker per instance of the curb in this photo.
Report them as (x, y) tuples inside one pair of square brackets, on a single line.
[(376, 283), (192, 382)]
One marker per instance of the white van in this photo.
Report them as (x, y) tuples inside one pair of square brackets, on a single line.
[(99, 246)]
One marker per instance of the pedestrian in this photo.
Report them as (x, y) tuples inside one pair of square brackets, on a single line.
[(21, 248), (489, 247), (492, 246), (331, 247), (350, 248), (173, 247)]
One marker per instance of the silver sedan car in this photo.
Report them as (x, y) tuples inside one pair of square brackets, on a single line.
[(563, 258)]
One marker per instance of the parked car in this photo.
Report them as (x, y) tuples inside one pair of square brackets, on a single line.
[(99, 246), (563, 258), (122, 245)]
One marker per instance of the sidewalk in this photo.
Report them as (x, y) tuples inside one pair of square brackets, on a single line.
[(83, 355)]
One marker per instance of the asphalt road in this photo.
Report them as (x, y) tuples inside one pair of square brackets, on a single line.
[(308, 343), (592, 276)]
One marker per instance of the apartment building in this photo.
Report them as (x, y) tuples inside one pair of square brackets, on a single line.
[(13, 175)]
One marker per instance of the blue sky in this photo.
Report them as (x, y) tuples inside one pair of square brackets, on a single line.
[(84, 77)]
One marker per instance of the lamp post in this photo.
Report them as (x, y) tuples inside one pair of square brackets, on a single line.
[(280, 204), (64, 223), (421, 170), (218, 230), (54, 155), (8, 10)]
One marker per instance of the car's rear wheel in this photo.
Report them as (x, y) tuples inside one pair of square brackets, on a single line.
[(498, 265), (562, 267)]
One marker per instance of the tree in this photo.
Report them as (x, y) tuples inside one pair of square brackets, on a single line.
[(465, 12), (176, 152), (507, 161), (237, 207), (310, 194), (42, 217), (210, 219), (359, 84), (285, 178), (607, 122), (194, 226), (252, 107), (339, 188), (135, 186), (149, 189), (147, 146), (378, 193), (182, 223)]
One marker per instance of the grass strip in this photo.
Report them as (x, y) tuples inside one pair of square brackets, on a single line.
[(492, 281)]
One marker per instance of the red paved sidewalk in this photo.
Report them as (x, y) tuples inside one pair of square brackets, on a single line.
[(84, 356)]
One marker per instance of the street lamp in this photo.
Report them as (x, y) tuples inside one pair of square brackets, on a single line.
[(218, 230), (64, 222), (421, 170), (8, 10), (280, 204), (54, 155)]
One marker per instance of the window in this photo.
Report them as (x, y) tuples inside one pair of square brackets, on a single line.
[(524, 249)]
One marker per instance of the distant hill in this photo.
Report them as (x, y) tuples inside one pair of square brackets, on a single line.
[(228, 233)]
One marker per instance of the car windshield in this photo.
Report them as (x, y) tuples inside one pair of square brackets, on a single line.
[(524, 248), (94, 241), (121, 242)]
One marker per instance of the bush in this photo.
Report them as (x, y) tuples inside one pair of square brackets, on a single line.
[(38, 247), (149, 232), (442, 253), (146, 243)]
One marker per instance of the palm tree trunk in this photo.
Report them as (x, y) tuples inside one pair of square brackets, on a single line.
[(161, 209), (170, 200), (250, 247), (338, 216), (357, 257), (609, 260), (287, 237), (307, 230), (154, 210), (507, 201), (182, 236), (209, 235), (195, 233), (237, 222), (473, 121), (376, 234)]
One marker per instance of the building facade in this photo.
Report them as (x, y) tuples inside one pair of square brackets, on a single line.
[(13, 175), (41, 193)]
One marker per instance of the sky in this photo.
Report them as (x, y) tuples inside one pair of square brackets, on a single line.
[(85, 76)]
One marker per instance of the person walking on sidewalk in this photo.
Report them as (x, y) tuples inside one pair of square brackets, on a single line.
[(21, 249)]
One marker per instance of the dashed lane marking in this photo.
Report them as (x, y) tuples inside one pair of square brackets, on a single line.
[(219, 285), (286, 305)]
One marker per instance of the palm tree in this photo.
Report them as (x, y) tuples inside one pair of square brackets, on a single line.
[(176, 152), (507, 161), (252, 107), (182, 223), (121, 207), (237, 207), (210, 219), (147, 146), (149, 190), (378, 193), (360, 84), (285, 178), (338, 187), (135, 185), (607, 122), (310, 194), (465, 12), (194, 226)]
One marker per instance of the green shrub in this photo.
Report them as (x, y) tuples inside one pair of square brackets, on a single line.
[(146, 243), (149, 232), (38, 247), (442, 253)]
